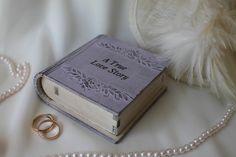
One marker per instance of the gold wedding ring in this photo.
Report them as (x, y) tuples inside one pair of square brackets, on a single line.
[(46, 126), (36, 122), (56, 131)]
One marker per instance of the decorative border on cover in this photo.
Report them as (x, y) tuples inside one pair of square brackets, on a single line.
[(89, 83), (135, 55)]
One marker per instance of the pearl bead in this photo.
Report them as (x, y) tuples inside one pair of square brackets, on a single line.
[(208, 132), (196, 141), (116, 155), (129, 155), (149, 154), (233, 108), (203, 135), (122, 155), (200, 139), (155, 154), (169, 152), (181, 150), (187, 147), (192, 145), (162, 153), (73, 155), (228, 114), (222, 123), (175, 151), (225, 116), (87, 154), (142, 154)]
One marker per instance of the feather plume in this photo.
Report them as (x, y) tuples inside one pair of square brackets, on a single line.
[(198, 36)]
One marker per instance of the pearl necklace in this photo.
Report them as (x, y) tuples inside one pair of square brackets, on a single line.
[(169, 151), (18, 71)]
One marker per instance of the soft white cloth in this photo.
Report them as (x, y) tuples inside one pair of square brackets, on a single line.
[(42, 32)]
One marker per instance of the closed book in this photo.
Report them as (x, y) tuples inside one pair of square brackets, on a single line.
[(106, 85)]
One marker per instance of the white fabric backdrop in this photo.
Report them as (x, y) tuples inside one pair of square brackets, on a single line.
[(42, 32)]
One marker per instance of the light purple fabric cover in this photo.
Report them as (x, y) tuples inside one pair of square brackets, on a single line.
[(109, 72)]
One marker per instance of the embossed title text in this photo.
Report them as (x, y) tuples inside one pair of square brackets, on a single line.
[(111, 66)]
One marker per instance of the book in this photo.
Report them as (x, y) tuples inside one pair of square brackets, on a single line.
[(106, 85)]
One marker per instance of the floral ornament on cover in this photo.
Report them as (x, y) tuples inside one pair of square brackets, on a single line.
[(198, 36)]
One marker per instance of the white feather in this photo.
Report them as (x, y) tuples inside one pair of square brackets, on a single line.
[(198, 36)]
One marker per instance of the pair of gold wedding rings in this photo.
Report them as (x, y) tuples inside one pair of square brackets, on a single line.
[(46, 126)]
